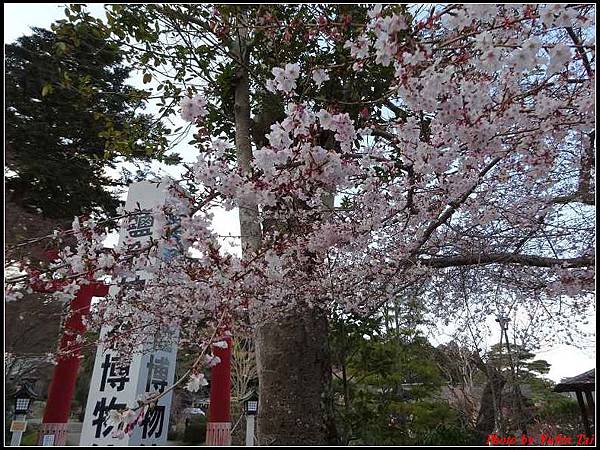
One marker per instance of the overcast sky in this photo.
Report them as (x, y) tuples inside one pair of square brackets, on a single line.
[(18, 18)]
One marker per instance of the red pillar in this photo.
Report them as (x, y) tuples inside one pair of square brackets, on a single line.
[(218, 427), (62, 387)]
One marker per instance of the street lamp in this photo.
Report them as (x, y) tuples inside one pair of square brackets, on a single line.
[(251, 409), (503, 321), (251, 403), (24, 397)]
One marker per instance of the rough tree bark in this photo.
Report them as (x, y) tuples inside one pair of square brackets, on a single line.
[(294, 375), (491, 402)]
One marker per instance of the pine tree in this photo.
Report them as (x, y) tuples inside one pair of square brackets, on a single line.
[(69, 116)]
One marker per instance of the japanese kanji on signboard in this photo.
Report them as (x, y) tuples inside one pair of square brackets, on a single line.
[(118, 383)]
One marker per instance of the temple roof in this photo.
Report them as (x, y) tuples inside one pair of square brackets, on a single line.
[(583, 382)]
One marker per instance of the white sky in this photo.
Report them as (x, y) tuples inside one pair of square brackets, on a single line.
[(566, 360)]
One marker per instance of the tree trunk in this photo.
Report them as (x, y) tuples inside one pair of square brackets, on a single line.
[(491, 402), (294, 380), (294, 368), (294, 375), (249, 220)]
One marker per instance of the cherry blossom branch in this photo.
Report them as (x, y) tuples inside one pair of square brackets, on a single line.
[(507, 258), (142, 403), (453, 206), (70, 231), (580, 50)]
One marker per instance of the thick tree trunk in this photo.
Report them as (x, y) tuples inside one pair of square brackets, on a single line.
[(294, 369), (294, 376), (294, 373), (491, 403)]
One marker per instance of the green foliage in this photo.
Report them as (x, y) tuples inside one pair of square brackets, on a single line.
[(562, 411), (443, 434), (527, 400), (221, 121), (552, 411), (29, 437), (69, 115), (190, 47), (527, 367), (387, 386)]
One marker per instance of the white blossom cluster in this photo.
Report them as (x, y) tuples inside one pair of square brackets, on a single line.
[(485, 138)]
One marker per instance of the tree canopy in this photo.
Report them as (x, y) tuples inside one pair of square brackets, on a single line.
[(69, 116), (370, 151)]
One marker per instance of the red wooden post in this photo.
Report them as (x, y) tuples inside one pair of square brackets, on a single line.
[(218, 427), (62, 387)]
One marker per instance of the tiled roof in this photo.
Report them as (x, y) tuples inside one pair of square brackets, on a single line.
[(583, 381)]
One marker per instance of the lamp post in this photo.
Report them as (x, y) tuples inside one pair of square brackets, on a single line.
[(23, 399), (251, 409), (503, 321)]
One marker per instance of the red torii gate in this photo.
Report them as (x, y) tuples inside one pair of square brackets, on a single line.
[(218, 426), (64, 378)]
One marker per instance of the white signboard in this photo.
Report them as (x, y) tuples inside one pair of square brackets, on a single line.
[(114, 384), (18, 425)]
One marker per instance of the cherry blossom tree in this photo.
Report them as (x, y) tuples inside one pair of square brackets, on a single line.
[(474, 161)]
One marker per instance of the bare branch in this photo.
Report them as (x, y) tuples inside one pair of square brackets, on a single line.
[(507, 258)]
